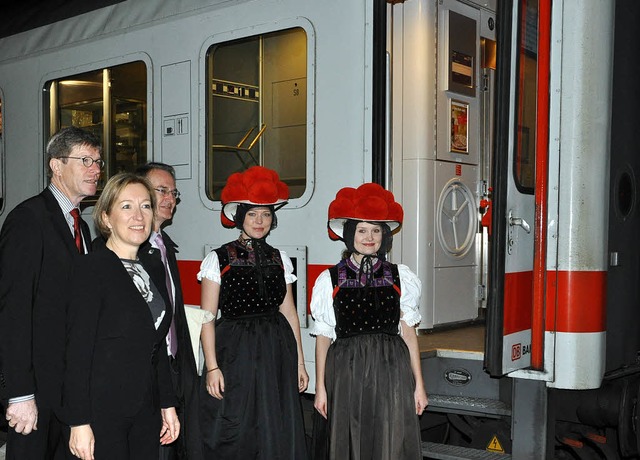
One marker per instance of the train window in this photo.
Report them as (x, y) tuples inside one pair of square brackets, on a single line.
[(524, 167), (257, 108), (110, 102)]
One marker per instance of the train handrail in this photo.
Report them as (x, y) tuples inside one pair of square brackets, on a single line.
[(238, 148)]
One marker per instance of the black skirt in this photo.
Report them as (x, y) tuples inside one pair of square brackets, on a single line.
[(260, 416), (370, 399)]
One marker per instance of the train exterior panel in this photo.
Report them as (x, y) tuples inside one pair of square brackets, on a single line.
[(172, 41), (491, 121)]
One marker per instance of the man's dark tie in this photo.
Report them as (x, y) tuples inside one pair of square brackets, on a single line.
[(173, 337), (75, 212)]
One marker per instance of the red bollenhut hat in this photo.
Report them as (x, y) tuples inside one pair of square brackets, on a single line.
[(257, 186), (369, 202)]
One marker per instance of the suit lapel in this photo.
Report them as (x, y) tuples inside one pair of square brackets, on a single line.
[(131, 292), (172, 249), (59, 223), (86, 234), (152, 263)]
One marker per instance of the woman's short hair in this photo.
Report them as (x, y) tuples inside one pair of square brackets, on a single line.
[(110, 194)]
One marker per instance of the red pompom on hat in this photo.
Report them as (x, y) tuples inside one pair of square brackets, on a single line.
[(257, 186), (369, 203)]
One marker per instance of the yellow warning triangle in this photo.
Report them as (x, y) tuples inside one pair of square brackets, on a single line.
[(495, 446)]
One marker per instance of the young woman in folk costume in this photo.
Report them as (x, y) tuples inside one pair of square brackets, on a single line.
[(253, 354), (369, 383)]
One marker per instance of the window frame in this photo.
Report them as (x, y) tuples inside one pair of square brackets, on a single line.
[(521, 131), (45, 121), (249, 32)]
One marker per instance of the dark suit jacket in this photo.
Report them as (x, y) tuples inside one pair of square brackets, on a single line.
[(190, 444), (36, 252), (115, 355)]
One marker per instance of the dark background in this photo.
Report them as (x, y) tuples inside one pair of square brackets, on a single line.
[(20, 15)]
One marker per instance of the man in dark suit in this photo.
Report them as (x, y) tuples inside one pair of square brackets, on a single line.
[(38, 242), (179, 352)]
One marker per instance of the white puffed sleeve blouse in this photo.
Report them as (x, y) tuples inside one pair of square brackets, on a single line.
[(322, 302)]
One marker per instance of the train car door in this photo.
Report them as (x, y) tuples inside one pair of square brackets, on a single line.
[(509, 315)]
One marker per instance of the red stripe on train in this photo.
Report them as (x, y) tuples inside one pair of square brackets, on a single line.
[(313, 271), (581, 301), (188, 279), (518, 295)]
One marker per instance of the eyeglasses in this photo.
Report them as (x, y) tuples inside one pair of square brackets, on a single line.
[(164, 192), (88, 161)]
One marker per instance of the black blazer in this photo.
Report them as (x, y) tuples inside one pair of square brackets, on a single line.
[(37, 249), (114, 351), (148, 254), (187, 380)]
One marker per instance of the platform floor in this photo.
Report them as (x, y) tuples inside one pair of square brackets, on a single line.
[(469, 339)]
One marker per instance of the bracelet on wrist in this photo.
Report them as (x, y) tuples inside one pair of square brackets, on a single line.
[(211, 370)]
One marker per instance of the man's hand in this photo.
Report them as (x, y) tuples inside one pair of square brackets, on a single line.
[(23, 416)]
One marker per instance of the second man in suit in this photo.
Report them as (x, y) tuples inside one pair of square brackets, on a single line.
[(179, 352)]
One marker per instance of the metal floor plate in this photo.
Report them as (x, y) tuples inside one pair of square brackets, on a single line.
[(445, 452)]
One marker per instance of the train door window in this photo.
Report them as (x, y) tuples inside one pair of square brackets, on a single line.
[(524, 167), (257, 108), (110, 102)]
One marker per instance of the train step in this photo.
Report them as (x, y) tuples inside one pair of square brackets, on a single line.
[(445, 452), (468, 405)]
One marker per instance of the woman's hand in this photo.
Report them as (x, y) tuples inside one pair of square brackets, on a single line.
[(303, 378), (170, 426), (82, 442), (215, 383), (320, 401), (421, 400)]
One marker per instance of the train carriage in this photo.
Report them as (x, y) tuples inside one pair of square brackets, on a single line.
[(504, 127), (210, 88)]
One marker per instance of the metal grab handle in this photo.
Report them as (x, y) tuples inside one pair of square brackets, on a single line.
[(519, 221), (255, 139), (240, 149)]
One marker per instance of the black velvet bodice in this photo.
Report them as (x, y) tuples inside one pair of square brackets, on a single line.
[(361, 309), (248, 288)]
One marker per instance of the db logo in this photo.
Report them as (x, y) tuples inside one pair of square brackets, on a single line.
[(516, 351)]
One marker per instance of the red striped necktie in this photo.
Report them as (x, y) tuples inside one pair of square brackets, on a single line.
[(75, 212)]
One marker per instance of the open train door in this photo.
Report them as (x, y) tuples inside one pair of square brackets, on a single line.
[(511, 296)]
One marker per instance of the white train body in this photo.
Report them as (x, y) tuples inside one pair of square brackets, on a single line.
[(333, 94), (167, 36), (172, 42)]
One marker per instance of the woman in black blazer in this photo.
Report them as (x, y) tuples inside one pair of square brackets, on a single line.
[(117, 397)]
